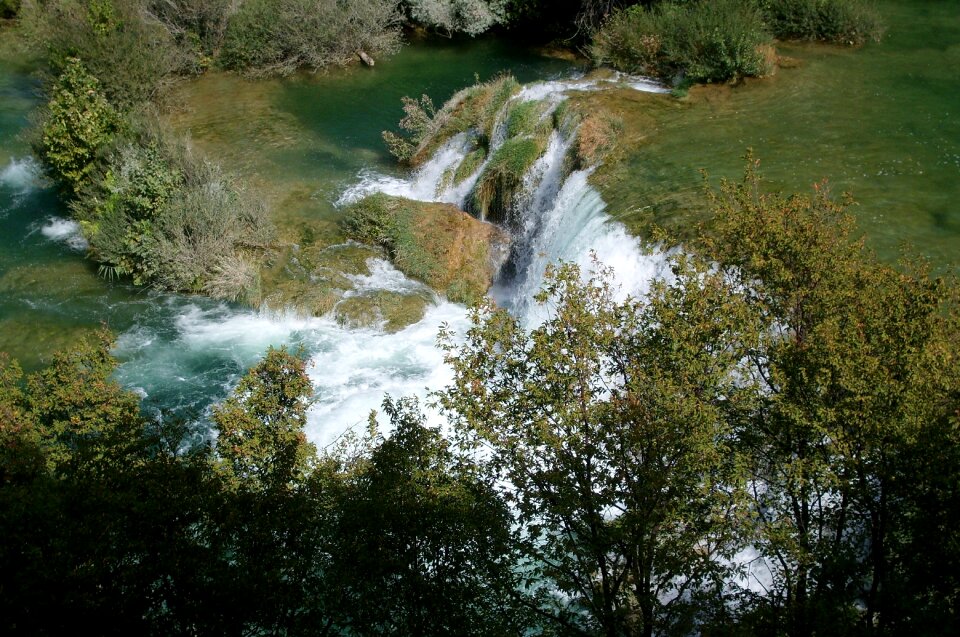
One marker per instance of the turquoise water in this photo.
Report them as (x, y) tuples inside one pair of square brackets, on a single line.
[(880, 122), (302, 140)]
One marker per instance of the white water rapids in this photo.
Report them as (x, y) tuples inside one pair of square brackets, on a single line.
[(183, 350)]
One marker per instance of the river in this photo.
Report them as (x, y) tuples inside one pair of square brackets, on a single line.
[(880, 122)]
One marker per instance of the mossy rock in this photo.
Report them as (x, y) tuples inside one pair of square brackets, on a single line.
[(390, 310), (473, 108), (502, 179), (469, 165), (313, 279), (438, 244)]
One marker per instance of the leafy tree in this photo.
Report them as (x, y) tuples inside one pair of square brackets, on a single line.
[(856, 367), (79, 123), (260, 428), (423, 542), (606, 428)]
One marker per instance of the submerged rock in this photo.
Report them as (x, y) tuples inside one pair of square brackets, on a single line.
[(438, 244), (388, 309)]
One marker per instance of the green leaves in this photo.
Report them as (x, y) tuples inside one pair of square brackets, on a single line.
[(261, 438), (79, 124), (607, 423)]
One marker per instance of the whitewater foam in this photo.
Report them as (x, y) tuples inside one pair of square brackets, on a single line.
[(21, 175), (64, 231)]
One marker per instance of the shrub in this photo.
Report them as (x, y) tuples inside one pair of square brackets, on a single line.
[(849, 22), (697, 41), (281, 36), (158, 214), (77, 125), (131, 56), (458, 16), (198, 24)]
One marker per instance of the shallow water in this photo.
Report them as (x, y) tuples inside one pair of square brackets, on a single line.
[(881, 122)]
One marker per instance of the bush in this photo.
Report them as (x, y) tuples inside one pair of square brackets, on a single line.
[(197, 24), (685, 42), (849, 22), (77, 124), (458, 16), (131, 56), (155, 212), (280, 36)]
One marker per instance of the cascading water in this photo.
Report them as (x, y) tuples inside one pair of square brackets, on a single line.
[(560, 216), (179, 352)]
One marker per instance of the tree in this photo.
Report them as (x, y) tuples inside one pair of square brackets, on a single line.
[(423, 542), (78, 124), (261, 439), (605, 428), (858, 365)]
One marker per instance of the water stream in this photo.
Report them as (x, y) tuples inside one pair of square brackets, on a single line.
[(310, 142)]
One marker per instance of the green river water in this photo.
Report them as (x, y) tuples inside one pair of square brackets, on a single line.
[(882, 122)]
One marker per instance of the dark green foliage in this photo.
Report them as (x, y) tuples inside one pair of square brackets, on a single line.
[(696, 41), (423, 544), (260, 429), (196, 25), (280, 36), (77, 126), (9, 8), (840, 21)]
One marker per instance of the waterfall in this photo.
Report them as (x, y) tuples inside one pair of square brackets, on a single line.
[(184, 350), (561, 216)]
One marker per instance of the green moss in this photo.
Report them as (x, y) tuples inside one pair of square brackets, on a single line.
[(469, 165), (437, 244), (391, 310), (525, 118), (503, 176), (474, 108)]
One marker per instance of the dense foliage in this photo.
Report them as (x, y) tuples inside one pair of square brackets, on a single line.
[(281, 36), (688, 41), (149, 208), (841, 21), (765, 443)]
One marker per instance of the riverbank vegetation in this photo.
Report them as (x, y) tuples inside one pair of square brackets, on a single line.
[(696, 41), (765, 443)]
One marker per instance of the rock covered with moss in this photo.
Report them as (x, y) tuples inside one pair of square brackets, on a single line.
[(435, 243)]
